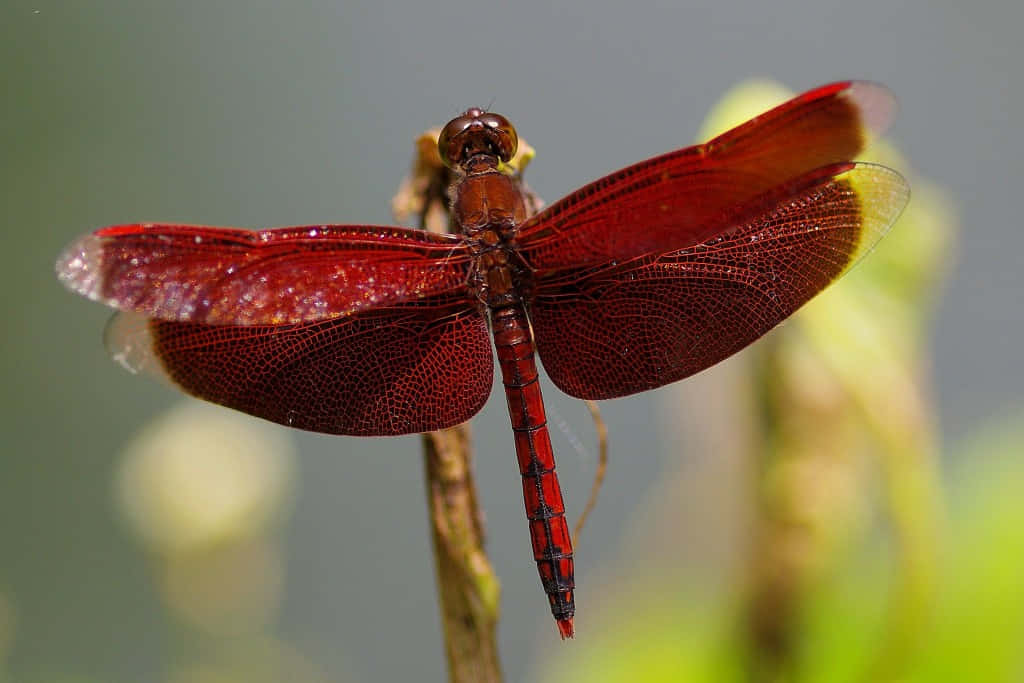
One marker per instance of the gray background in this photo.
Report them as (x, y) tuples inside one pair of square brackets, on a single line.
[(262, 114)]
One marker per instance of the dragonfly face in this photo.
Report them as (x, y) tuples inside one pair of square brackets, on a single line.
[(477, 132)]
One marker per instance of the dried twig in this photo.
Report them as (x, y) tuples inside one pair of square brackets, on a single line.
[(602, 466), (468, 589)]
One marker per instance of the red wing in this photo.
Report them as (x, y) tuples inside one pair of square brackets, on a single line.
[(616, 330), (374, 373), (686, 197), (227, 276)]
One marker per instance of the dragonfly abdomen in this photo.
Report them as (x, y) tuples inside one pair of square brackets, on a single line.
[(545, 511)]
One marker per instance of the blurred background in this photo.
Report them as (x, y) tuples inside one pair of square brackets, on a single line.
[(840, 502)]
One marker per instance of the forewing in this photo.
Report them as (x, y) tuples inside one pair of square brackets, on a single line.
[(227, 276), (685, 197), (385, 371), (620, 329)]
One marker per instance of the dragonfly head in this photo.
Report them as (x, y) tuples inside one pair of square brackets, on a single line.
[(477, 132)]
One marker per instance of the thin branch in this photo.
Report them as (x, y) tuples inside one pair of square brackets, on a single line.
[(602, 466), (468, 589)]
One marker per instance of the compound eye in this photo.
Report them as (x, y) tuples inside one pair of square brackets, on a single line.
[(503, 135), (450, 144), (476, 132)]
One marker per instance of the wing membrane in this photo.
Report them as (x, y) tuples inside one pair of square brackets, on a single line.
[(685, 197), (619, 329), (227, 276), (374, 373)]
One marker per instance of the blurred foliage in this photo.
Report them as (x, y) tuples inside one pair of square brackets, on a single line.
[(979, 629), (975, 633), (206, 490), (200, 476)]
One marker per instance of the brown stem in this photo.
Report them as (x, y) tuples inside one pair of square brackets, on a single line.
[(468, 589), (602, 467)]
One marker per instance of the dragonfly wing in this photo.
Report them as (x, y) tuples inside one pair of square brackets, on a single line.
[(619, 329), (686, 197), (385, 371), (227, 276)]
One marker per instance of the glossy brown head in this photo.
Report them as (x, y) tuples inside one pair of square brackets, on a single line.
[(477, 132)]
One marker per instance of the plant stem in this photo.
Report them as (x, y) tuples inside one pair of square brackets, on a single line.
[(468, 590), (467, 587)]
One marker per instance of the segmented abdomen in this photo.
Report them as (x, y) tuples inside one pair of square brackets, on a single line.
[(552, 545)]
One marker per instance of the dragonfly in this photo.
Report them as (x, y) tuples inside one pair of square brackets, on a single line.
[(634, 281)]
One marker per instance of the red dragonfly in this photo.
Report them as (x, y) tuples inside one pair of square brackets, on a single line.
[(639, 279)]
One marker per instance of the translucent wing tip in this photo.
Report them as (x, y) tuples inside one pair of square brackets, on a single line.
[(78, 267), (875, 102), (883, 195), (130, 343)]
